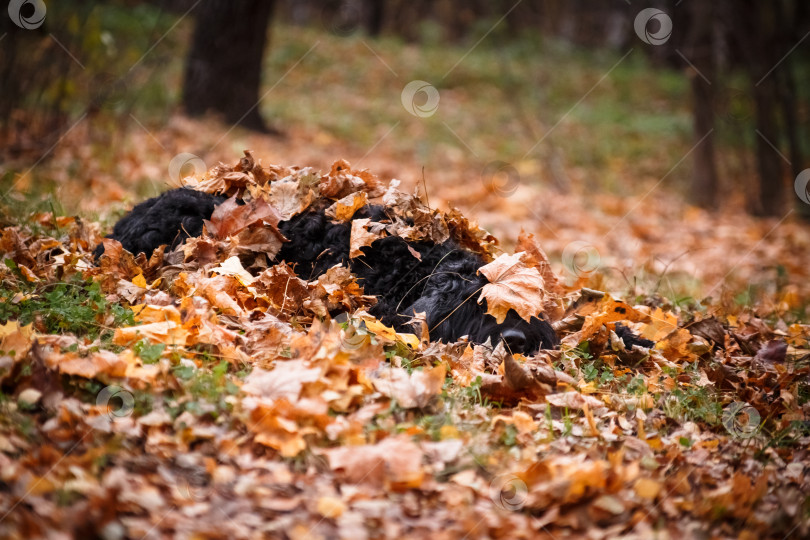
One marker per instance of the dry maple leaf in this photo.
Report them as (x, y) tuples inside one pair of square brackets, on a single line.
[(285, 291), (553, 304), (344, 209), (230, 218), (512, 285), (290, 197), (361, 236)]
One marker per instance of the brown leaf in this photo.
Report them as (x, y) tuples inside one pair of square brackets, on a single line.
[(290, 197), (514, 374), (513, 285), (229, 218), (361, 237), (553, 287), (89, 367), (470, 235), (282, 288), (773, 352), (574, 400), (342, 181), (394, 464)]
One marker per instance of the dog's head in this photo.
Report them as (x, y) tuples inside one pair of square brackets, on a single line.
[(450, 303)]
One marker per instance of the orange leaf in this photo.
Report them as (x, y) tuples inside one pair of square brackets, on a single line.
[(513, 285)]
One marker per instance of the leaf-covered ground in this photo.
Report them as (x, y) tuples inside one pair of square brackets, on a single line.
[(206, 393)]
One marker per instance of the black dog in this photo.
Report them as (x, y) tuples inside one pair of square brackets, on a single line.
[(444, 282)]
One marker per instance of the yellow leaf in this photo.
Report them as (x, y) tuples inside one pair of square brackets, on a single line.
[(345, 208), (661, 325), (646, 488), (140, 281), (411, 340), (331, 507), (27, 273), (448, 432)]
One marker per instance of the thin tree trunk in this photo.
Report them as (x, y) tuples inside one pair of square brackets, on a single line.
[(224, 65), (755, 32), (700, 49)]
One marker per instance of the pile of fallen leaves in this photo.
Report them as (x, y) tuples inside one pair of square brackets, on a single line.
[(207, 392)]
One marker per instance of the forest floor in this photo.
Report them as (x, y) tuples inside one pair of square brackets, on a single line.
[(134, 405)]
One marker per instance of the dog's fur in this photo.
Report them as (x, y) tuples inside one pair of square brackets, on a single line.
[(165, 220), (444, 283)]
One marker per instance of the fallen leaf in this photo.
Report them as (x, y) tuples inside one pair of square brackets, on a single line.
[(361, 237), (512, 285)]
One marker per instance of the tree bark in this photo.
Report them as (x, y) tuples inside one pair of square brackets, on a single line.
[(757, 35), (224, 65), (700, 49)]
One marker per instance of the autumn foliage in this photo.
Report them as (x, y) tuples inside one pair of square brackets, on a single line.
[(210, 392)]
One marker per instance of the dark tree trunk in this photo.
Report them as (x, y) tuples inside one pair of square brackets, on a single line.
[(224, 65), (376, 16), (789, 18), (700, 49), (756, 32)]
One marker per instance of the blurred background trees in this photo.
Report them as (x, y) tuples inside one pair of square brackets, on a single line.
[(224, 63), (745, 63)]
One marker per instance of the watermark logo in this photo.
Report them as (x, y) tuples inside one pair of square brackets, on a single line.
[(195, 485), (501, 178), (27, 14), (802, 186), (420, 98), (580, 258), (117, 401), (741, 420), (184, 165), (646, 20), (508, 492), (354, 336), (343, 20)]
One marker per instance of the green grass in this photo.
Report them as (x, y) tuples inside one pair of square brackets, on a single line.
[(635, 115), (75, 307)]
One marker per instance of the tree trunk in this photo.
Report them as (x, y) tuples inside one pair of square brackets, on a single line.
[(223, 68), (757, 34), (789, 18), (376, 17), (704, 192)]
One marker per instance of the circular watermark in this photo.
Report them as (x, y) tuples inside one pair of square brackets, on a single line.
[(508, 492), (802, 186), (184, 165), (741, 420), (117, 401), (580, 258), (27, 14), (195, 485), (344, 19), (501, 178), (420, 98), (354, 336), (645, 21)]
